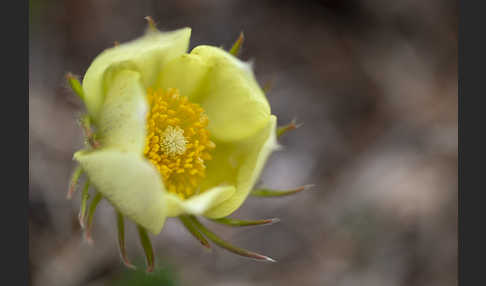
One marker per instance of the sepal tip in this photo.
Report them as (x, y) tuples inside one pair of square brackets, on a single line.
[(288, 127), (75, 85), (121, 241), (235, 49), (151, 24)]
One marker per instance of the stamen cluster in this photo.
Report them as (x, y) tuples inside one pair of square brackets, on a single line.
[(177, 141)]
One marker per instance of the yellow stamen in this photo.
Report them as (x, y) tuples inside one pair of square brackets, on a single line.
[(177, 141)]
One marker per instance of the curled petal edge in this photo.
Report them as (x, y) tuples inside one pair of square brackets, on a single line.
[(249, 171), (147, 54), (130, 183)]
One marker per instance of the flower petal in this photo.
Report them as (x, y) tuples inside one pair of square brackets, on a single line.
[(129, 182), (198, 204), (224, 86), (147, 54), (187, 73), (247, 161), (122, 118)]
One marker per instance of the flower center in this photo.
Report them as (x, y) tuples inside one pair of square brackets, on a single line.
[(173, 141), (177, 141)]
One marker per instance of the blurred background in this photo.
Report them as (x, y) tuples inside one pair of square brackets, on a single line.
[(375, 84)]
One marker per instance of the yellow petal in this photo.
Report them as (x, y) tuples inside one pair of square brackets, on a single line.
[(146, 54), (130, 183), (198, 204), (225, 88), (240, 164), (122, 118)]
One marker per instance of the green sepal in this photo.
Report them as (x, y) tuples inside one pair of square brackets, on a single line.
[(92, 208), (84, 200), (193, 230), (237, 223), (278, 193), (147, 248), (281, 130), (235, 49), (267, 87), (121, 240), (74, 181), (89, 136), (151, 24), (75, 85), (223, 244)]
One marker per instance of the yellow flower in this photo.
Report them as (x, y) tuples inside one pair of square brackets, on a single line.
[(175, 133)]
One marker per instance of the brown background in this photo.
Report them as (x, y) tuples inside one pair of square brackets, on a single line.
[(375, 84)]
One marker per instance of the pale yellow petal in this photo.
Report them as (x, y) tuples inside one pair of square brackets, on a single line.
[(123, 115), (241, 164), (147, 54), (225, 88), (130, 183), (198, 204)]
